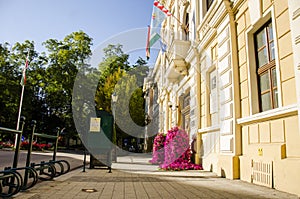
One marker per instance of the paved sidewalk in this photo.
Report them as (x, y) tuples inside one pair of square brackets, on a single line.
[(133, 177)]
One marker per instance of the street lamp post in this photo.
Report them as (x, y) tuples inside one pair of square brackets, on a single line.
[(114, 98)]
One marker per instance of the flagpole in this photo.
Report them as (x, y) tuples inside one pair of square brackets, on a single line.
[(20, 109), (19, 115), (147, 45), (21, 100)]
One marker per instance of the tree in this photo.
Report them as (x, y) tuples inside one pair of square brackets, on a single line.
[(50, 79), (104, 92), (11, 65), (114, 58), (65, 59), (130, 111), (116, 75), (9, 88)]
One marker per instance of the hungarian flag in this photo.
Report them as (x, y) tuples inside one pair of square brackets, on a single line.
[(159, 14), (23, 80)]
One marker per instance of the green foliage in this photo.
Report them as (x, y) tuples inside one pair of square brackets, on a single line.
[(66, 58), (11, 65), (117, 76), (114, 58), (9, 87), (50, 81), (104, 92)]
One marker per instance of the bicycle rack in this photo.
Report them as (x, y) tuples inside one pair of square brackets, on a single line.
[(45, 169), (10, 183), (11, 180)]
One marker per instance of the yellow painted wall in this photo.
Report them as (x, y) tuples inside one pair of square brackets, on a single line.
[(230, 166), (292, 137), (287, 176), (274, 140)]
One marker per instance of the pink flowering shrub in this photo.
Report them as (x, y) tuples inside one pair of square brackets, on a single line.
[(158, 149), (177, 153)]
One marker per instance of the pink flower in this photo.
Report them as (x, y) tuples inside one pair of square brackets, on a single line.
[(172, 151)]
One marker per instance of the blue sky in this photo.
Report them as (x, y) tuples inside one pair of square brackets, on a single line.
[(39, 20)]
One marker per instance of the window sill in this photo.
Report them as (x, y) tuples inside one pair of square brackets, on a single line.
[(269, 115)]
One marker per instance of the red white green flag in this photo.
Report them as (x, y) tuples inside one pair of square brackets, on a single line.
[(23, 80), (159, 14)]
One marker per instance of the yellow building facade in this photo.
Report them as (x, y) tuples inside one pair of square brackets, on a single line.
[(269, 108), (230, 78)]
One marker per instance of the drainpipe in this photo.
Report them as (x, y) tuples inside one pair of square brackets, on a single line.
[(236, 89)]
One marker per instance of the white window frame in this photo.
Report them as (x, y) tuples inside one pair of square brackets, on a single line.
[(251, 62)]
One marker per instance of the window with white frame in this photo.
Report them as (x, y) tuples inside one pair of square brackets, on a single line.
[(213, 98), (266, 67)]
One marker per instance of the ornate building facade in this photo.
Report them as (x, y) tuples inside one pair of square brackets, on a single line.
[(230, 77)]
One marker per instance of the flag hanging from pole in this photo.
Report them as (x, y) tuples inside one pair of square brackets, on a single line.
[(159, 14), (23, 80)]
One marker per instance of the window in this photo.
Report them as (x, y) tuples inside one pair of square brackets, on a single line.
[(213, 98), (186, 27), (209, 3), (266, 68)]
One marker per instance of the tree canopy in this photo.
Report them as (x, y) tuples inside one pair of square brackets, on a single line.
[(51, 76), (50, 79), (117, 76)]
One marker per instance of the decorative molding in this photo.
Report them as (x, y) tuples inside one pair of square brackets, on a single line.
[(226, 111), (226, 95), (226, 144), (192, 113), (223, 36), (209, 129), (224, 50), (224, 64), (226, 128), (193, 123), (225, 80), (297, 40), (296, 14)]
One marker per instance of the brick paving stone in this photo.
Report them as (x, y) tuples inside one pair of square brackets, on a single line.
[(132, 183)]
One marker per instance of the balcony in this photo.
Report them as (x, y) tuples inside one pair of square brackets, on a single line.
[(178, 67)]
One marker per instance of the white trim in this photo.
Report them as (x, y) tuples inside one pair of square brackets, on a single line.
[(277, 58), (269, 115), (209, 129)]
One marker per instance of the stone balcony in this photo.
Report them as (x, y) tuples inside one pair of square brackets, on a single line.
[(178, 67)]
